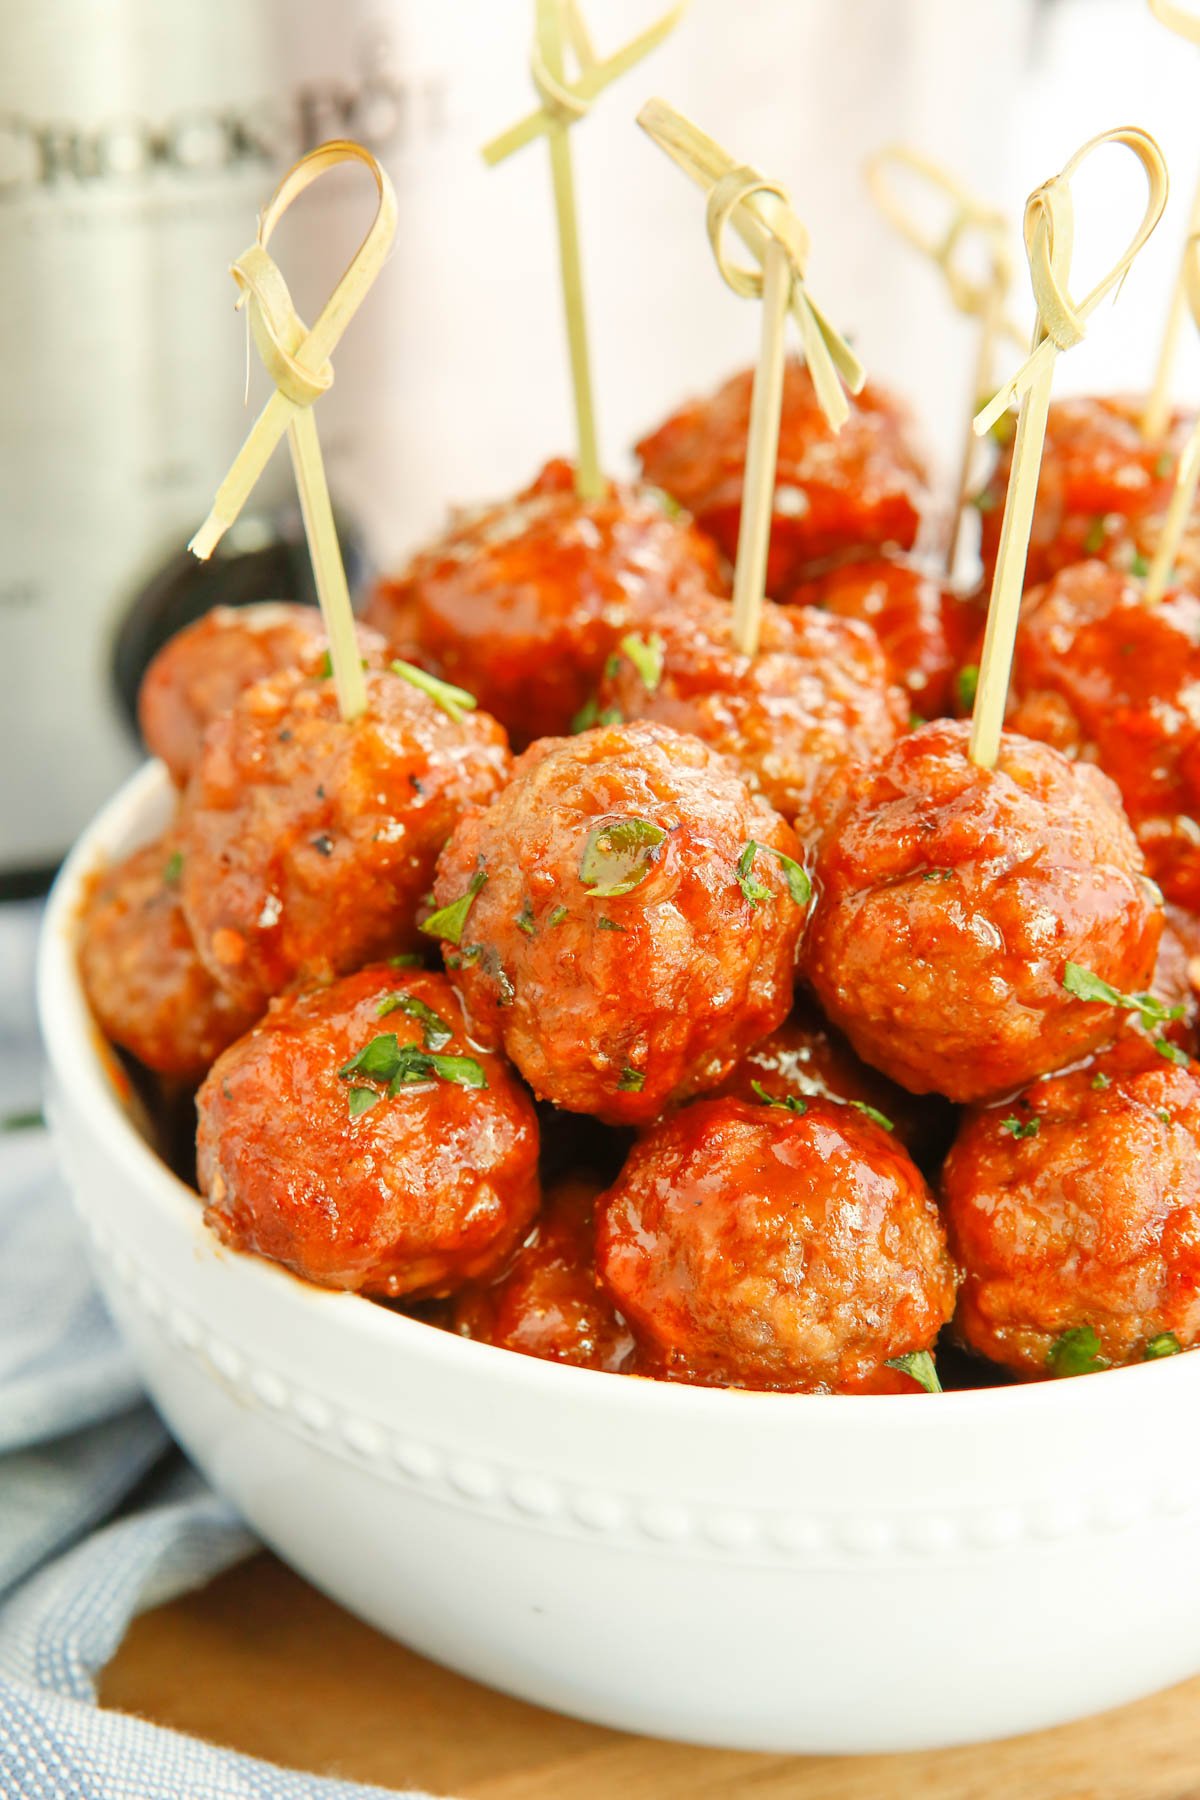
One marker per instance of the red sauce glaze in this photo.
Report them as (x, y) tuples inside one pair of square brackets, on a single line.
[(752, 1246), (1103, 488), (421, 1193), (200, 672), (815, 698), (521, 602), (806, 1057), (308, 842), (1092, 1221), (617, 1005), (1107, 678), (549, 1302), (146, 985), (863, 487), (949, 898), (925, 627)]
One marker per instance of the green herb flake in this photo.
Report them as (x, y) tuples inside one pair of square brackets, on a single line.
[(411, 959), (1076, 1352), (799, 885), (618, 856), (362, 1099), (557, 916), (325, 667), (378, 1059), (421, 1065), (985, 501), (664, 500), (1139, 566), (632, 1080), (873, 1113), (604, 923), (754, 889), (1097, 532), (448, 922), (455, 702), (789, 1102), (1021, 1128), (1164, 466), (968, 681), (1165, 1344), (920, 1365), (1171, 1051), (1101, 1081), (173, 868), (589, 714), (1162, 1115), (525, 920), (1086, 986), (435, 1031), (646, 655), (938, 875)]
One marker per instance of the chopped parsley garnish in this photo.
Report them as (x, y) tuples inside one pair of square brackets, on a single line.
[(589, 714), (938, 875), (619, 855), (799, 885), (1163, 1115), (968, 681), (1101, 1081), (789, 1102), (661, 498), (1097, 531), (632, 1080), (525, 920), (411, 959), (454, 701), (754, 889), (646, 655), (1076, 1352), (362, 1099), (1164, 466), (434, 1030), (1086, 986), (1139, 565), (386, 1060), (873, 1113), (920, 1365), (604, 923), (448, 922), (22, 1121), (1165, 1344), (1171, 1051), (985, 502), (1021, 1128), (557, 916), (325, 666), (173, 868)]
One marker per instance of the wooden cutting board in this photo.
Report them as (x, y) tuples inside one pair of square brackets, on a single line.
[(262, 1663)]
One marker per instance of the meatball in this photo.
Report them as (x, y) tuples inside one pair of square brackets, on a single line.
[(549, 1303), (814, 699), (806, 1057), (1108, 678), (359, 1137), (761, 1246), (1076, 1210), (520, 603), (624, 919), (1103, 489), (862, 487), (200, 672), (309, 842), (924, 626), (949, 900), (149, 990)]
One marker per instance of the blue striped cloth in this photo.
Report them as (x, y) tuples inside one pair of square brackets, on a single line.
[(100, 1516)]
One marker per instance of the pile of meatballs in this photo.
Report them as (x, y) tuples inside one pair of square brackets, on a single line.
[(610, 996)]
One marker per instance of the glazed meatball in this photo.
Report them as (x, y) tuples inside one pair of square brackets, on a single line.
[(520, 603), (759, 1246), (1076, 1209), (862, 487), (925, 627), (949, 900), (549, 1303), (1103, 489), (623, 920), (815, 698), (805, 1057), (1108, 678), (360, 1138), (309, 842), (200, 672), (146, 985)]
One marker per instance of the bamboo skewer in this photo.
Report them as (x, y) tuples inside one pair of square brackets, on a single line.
[(760, 212), (1187, 475), (1049, 240), (297, 360), (559, 24), (1157, 413), (984, 300)]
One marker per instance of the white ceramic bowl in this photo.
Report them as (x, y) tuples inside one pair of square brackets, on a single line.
[(763, 1571)]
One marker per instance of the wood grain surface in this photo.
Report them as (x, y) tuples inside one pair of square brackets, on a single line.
[(262, 1663)]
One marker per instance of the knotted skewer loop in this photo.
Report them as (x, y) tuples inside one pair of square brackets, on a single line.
[(984, 299), (1187, 475), (560, 25), (297, 360), (1049, 241), (1186, 23)]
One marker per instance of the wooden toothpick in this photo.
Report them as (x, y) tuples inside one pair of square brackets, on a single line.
[(1157, 413), (1187, 475), (984, 300), (297, 360), (760, 212), (1049, 240), (559, 24)]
